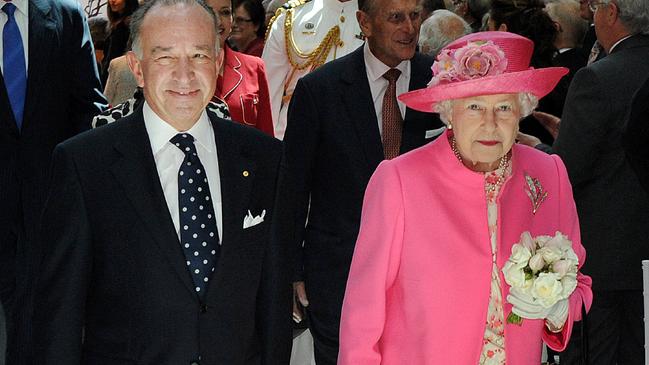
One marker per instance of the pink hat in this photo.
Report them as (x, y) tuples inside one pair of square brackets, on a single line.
[(484, 63)]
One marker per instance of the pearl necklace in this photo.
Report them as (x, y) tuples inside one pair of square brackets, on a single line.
[(502, 166)]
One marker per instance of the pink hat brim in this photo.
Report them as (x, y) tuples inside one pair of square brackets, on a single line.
[(535, 81)]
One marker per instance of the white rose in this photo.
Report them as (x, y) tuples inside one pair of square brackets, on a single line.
[(536, 262), (550, 254), (559, 241), (542, 240), (520, 254), (563, 267), (547, 289), (514, 274), (527, 241), (569, 284)]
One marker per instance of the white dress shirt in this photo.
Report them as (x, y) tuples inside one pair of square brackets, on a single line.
[(168, 159), (22, 17), (378, 84)]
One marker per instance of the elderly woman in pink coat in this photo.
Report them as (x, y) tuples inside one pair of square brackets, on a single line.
[(443, 224)]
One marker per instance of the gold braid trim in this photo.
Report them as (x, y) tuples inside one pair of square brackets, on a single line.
[(272, 21), (319, 55)]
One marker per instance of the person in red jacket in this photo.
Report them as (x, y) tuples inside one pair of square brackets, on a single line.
[(242, 82)]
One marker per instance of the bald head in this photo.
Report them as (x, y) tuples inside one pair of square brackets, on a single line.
[(442, 28)]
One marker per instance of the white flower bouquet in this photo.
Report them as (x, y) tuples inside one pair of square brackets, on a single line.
[(542, 270)]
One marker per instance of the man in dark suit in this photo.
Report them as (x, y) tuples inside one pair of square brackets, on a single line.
[(636, 135), (49, 91), (344, 119), (159, 225), (611, 203)]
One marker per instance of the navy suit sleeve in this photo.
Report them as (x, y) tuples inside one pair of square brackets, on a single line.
[(86, 99), (65, 267), (301, 144)]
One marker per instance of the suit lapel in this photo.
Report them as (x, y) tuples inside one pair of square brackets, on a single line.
[(6, 115), (137, 174), (231, 76), (412, 134), (357, 99), (237, 172), (42, 38)]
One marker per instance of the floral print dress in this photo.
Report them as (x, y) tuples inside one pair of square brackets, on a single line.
[(493, 345)]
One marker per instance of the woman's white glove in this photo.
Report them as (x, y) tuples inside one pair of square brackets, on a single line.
[(525, 307)]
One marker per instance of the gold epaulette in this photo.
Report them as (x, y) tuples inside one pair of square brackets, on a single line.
[(291, 4)]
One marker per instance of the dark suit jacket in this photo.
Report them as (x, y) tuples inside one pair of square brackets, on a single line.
[(636, 135), (113, 266), (333, 146), (611, 204), (63, 95)]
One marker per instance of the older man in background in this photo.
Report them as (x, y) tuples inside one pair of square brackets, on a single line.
[(611, 202), (440, 29)]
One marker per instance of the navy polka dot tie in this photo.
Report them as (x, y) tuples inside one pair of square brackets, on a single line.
[(198, 232)]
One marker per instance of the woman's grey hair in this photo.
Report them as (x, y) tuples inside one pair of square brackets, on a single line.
[(634, 14), (442, 28), (138, 17), (527, 102)]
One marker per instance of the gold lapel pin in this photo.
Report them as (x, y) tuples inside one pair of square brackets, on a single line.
[(245, 173)]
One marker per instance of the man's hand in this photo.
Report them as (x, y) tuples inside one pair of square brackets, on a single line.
[(527, 139), (550, 122), (299, 295)]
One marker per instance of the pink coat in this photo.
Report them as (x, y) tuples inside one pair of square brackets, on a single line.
[(419, 284)]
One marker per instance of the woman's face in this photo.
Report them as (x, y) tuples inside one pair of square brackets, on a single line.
[(243, 29), (485, 128), (223, 9), (117, 6)]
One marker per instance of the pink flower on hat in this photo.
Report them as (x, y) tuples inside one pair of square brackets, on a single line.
[(475, 60)]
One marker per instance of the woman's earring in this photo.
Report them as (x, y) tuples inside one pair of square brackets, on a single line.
[(450, 126)]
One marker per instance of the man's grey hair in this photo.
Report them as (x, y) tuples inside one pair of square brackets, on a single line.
[(442, 28), (527, 102), (566, 13), (138, 17), (634, 14)]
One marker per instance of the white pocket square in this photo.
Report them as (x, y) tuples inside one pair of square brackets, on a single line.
[(434, 132), (250, 221)]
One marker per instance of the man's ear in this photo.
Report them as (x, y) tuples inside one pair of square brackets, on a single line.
[(364, 22), (136, 67), (220, 58)]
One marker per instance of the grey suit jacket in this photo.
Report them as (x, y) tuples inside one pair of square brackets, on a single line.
[(612, 206)]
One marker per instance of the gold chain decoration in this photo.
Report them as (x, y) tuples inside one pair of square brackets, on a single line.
[(319, 55)]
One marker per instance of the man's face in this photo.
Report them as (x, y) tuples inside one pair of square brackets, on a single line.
[(392, 29), (178, 65)]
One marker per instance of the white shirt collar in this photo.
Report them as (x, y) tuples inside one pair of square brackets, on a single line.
[(160, 132), (21, 6), (376, 68), (618, 42)]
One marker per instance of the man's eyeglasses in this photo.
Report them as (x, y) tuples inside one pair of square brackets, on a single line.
[(594, 5)]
